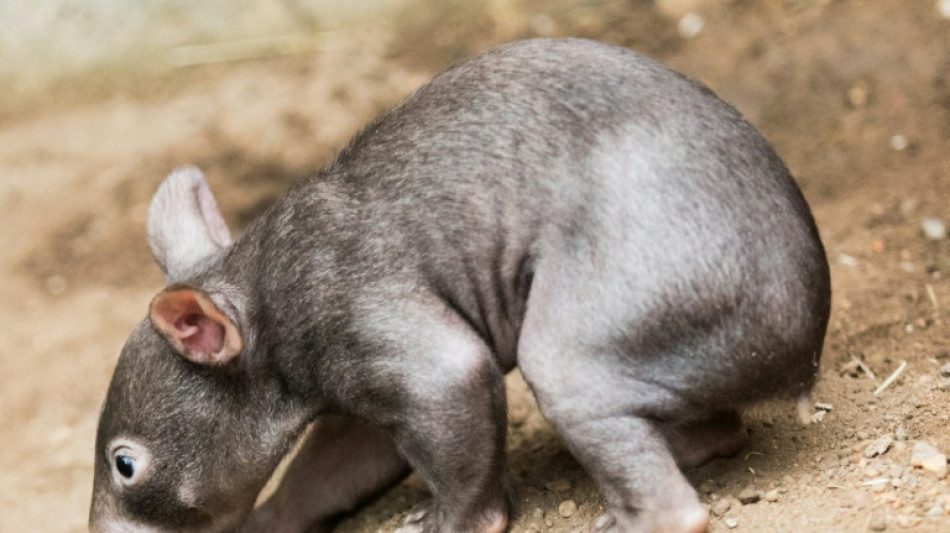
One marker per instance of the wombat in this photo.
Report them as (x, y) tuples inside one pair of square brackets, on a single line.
[(611, 227)]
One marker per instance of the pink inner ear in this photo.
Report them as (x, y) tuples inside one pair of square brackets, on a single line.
[(199, 333), (195, 326)]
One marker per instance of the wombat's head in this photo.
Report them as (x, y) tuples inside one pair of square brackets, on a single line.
[(188, 433)]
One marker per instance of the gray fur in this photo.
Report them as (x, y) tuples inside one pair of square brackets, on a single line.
[(575, 208)]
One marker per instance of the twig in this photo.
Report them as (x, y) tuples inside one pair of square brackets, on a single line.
[(222, 52), (890, 379), (933, 296), (865, 368)]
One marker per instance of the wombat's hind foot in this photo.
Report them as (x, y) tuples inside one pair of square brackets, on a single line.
[(692, 520)]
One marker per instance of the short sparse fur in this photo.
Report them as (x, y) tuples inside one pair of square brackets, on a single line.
[(612, 227)]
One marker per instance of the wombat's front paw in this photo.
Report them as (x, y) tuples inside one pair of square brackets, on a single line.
[(431, 521), (414, 523)]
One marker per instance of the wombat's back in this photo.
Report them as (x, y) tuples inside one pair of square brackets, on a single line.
[(602, 165)]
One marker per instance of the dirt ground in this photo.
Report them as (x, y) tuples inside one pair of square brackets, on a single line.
[(854, 95)]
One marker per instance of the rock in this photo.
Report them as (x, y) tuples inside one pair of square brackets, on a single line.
[(900, 434), (749, 495), (690, 25), (879, 447), (899, 142), (558, 485), (721, 506), (933, 228), (847, 260), (930, 459), (945, 370), (56, 285), (936, 464), (858, 95), (878, 524), (731, 523), (567, 508), (771, 496), (907, 521), (934, 512), (708, 487)]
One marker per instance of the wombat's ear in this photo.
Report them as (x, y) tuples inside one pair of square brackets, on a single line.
[(195, 326), (184, 225)]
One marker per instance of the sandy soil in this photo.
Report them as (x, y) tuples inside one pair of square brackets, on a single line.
[(855, 96)]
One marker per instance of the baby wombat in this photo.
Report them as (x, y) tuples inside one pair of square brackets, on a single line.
[(573, 208)]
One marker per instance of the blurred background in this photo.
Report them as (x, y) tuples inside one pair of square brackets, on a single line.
[(99, 99)]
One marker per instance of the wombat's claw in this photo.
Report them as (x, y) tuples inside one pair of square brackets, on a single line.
[(603, 523), (413, 522)]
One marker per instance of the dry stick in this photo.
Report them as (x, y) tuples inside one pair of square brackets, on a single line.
[(933, 296), (890, 379), (222, 52), (865, 368)]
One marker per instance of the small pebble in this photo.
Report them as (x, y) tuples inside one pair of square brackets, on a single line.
[(56, 285), (731, 523), (558, 485), (879, 446), (690, 25), (858, 95), (945, 370), (930, 459), (899, 142), (847, 260), (907, 521), (567, 508), (900, 434), (934, 511), (721, 507), (749, 495), (708, 487), (933, 228), (771, 496), (878, 524), (936, 465)]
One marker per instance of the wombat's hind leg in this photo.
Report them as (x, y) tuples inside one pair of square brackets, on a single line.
[(629, 459)]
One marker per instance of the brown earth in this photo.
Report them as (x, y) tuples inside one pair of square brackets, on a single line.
[(854, 95)]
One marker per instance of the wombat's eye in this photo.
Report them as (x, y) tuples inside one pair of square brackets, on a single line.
[(125, 465), (130, 461)]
